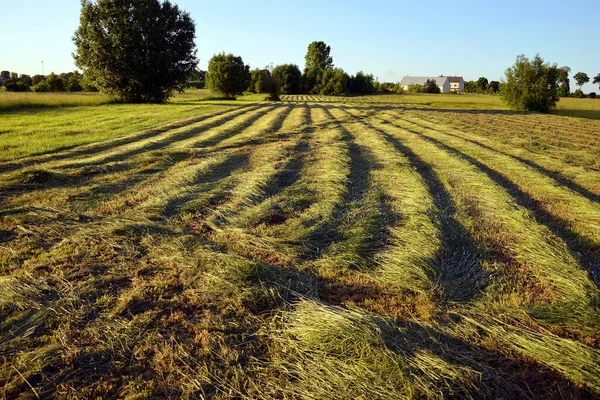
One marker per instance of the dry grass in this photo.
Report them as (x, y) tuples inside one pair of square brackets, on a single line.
[(374, 249)]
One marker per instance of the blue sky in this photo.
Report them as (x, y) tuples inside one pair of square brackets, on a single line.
[(386, 38)]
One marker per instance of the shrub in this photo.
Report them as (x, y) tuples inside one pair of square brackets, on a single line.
[(42, 86), (228, 75), (579, 94), (531, 85), (592, 95)]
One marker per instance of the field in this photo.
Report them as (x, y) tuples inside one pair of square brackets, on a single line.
[(381, 247)]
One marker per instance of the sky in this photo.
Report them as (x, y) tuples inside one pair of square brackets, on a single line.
[(389, 39)]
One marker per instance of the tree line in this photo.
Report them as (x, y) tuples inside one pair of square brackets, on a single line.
[(64, 82), (229, 76)]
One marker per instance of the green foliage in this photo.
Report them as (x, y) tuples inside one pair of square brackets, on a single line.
[(55, 83), (579, 94), (318, 60), (258, 77), (334, 82), (431, 86), (228, 75), (564, 90), (470, 87), (531, 85), (597, 79), (289, 78), (26, 79), (361, 83), (481, 84), (14, 76), (37, 79), (581, 78), (136, 50), (41, 87), (5, 74), (493, 87)]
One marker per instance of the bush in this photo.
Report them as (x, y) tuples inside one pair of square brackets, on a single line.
[(531, 85), (55, 83), (41, 87), (579, 94), (592, 95), (37, 79), (228, 75)]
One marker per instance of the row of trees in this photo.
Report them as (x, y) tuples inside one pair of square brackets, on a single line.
[(65, 82), (228, 75)]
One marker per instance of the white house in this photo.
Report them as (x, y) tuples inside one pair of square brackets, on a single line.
[(457, 83), (445, 83)]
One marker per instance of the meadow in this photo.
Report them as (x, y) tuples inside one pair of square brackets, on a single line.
[(377, 247)]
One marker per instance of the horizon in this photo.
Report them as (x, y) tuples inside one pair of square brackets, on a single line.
[(386, 44)]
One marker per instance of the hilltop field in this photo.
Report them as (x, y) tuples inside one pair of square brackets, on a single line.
[(378, 247)]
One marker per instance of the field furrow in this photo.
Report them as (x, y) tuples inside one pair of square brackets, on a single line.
[(374, 247)]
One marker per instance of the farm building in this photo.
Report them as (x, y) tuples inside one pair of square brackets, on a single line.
[(445, 83)]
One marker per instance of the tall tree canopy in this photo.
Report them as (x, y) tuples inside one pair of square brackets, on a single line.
[(135, 50), (318, 60), (597, 79), (564, 89), (227, 75), (531, 85), (581, 78), (289, 77)]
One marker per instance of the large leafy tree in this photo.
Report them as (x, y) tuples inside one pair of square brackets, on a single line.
[(227, 75), (317, 61), (564, 90), (135, 50), (482, 84), (289, 78), (581, 78), (597, 79), (531, 85)]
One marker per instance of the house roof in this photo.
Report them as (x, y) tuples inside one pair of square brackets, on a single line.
[(421, 80), (455, 79)]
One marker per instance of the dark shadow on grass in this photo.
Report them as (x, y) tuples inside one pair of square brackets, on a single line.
[(162, 143), (557, 176), (576, 243), (87, 149), (237, 129), (500, 376), (458, 267), (221, 171)]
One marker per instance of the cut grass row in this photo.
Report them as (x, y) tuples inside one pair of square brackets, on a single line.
[(260, 250)]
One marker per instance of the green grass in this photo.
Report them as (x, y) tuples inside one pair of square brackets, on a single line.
[(378, 247)]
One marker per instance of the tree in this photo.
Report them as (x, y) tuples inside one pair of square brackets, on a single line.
[(228, 75), (361, 83), (493, 87), (564, 90), (26, 79), (14, 76), (37, 79), (55, 83), (581, 78), (289, 78), (5, 74), (597, 79), (317, 61), (481, 85), (258, 78), (334, 82), (531, 85), (135, 50), (431, 87)]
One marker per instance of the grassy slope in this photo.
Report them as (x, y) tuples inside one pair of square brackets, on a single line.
[(299, 250)]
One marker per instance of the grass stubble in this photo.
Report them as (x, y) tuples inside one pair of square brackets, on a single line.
[(299, 250)]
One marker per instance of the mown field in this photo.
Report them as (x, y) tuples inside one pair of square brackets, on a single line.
[(316, 248)]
